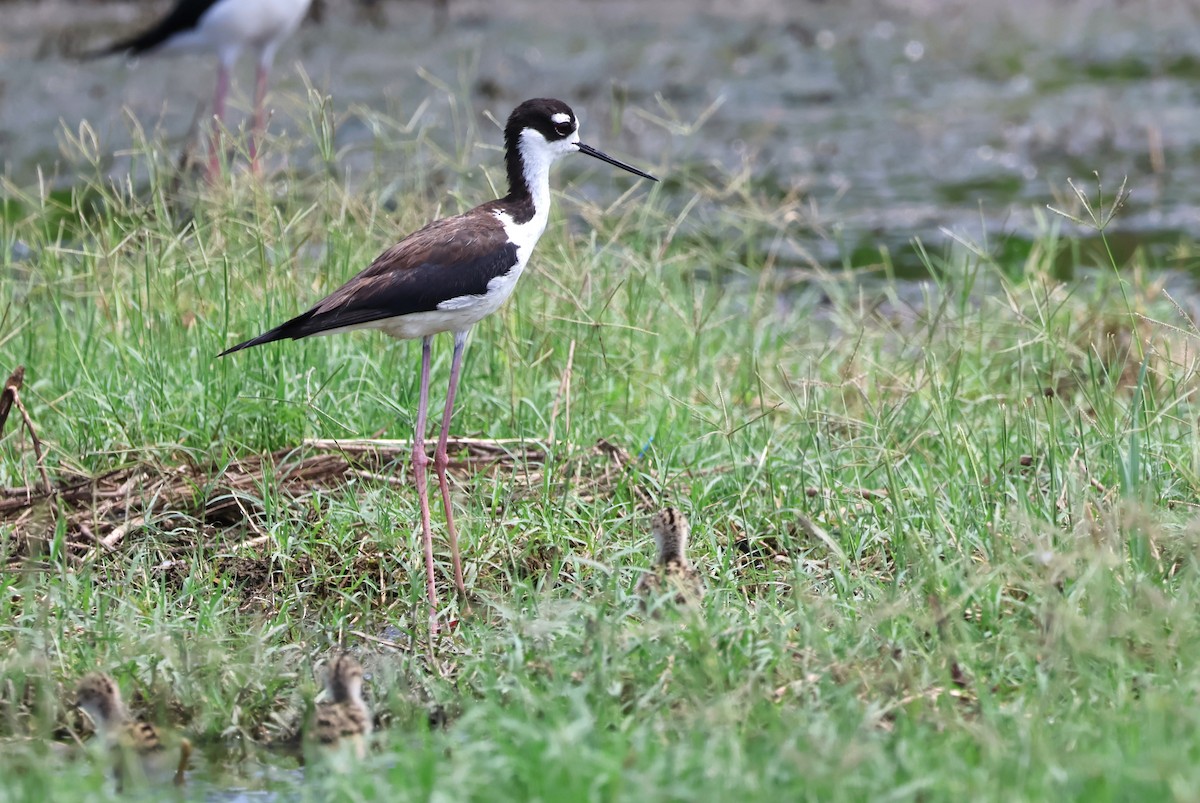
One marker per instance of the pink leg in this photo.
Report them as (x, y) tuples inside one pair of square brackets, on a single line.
[(420, 462), (260, 118), (441, 460), (214, 158)]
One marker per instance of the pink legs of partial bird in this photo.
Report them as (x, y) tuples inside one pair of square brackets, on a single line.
[(260, 116), (420, 463), (214, 151)]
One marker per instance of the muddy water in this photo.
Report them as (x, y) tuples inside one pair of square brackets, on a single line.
[(892, 120)]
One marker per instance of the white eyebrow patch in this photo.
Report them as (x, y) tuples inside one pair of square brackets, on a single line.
[(560, 117)]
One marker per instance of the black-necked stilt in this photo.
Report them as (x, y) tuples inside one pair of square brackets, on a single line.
[(672, 572), (343, 721), (224, 27), (450, 275), (138, 748)]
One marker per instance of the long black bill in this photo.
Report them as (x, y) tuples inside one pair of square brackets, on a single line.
[(604, 157)]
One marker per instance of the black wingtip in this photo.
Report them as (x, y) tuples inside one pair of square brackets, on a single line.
[(232, 349), (265, 337), (289, 330)]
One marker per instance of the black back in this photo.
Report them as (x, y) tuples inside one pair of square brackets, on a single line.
[(449, 258)]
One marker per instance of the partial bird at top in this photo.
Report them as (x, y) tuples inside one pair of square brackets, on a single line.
[(226, 28)]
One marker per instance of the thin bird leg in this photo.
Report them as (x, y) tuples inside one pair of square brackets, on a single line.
[(260, 118), (441, 459), (214, 159), (420, 464)]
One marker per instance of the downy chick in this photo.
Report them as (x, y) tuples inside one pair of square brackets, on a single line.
[(138, 748), (343, 719), (672, 571)]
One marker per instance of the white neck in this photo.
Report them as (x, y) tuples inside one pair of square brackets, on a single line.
[(536, 157)]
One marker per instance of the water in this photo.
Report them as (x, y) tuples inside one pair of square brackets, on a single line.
[(893, 121)]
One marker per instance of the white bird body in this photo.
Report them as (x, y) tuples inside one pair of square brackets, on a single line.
[(230, 26)]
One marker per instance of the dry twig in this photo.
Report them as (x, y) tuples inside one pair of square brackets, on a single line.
[(11, 397)]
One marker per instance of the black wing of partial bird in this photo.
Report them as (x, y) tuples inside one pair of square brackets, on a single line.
[(184, 17), (449, 258)]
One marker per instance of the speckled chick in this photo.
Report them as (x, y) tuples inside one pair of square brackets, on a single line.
[(343, 720), (138, 748), (672, 570)]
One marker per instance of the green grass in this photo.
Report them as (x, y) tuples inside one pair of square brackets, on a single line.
[(949, 530)]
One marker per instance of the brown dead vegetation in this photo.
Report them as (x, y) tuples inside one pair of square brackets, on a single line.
[(99, 513)]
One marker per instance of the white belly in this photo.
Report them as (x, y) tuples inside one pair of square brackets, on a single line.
[(453, 315)]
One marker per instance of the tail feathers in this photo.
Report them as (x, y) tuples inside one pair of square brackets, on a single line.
[(130, 46), (186, 16), (107, 50), (293, 330), (266, 337), (137, 45)]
